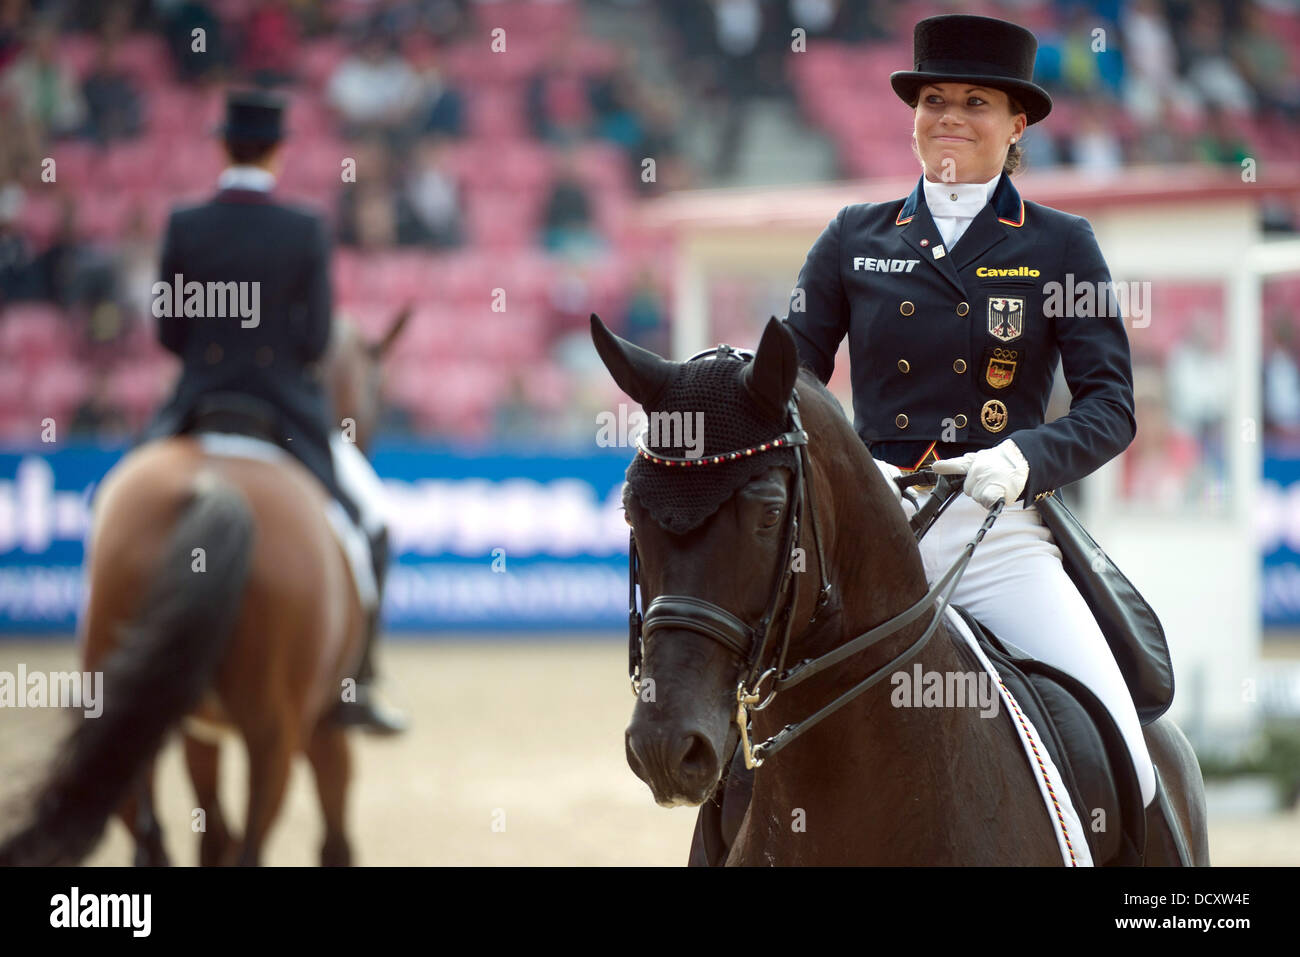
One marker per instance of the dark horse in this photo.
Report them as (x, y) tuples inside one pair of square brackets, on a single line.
[(869, 783), (219, 598)]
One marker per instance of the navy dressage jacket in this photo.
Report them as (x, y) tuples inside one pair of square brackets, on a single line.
[(244, 236), (956, 349)]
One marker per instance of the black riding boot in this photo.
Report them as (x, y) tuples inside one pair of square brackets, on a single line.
[(367, 711), (1166, 846)]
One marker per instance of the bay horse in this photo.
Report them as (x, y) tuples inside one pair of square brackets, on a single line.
[(869, 783), (219, 598)]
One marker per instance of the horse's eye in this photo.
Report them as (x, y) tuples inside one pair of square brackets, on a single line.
[(771, 516)]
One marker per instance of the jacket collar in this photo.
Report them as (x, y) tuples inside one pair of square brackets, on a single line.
[(254, 196), (1005, 211), (1006, 203)]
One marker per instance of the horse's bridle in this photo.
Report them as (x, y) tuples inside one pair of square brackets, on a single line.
[(749, 644)]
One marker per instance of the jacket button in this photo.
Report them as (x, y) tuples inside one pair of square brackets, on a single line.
[(959, 365), (900, 420), (212, 354), (263, 356), (960, 421), (906, 307), (963, 308), (903, 365)]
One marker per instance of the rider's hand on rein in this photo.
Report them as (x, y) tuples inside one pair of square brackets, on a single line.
[(992, 475)]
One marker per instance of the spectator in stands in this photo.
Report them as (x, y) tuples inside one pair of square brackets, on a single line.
[(1220, 143), (558, 98), (659, 140), (372, 212), (16, 275), (374, 222), (137, 266), (1210, 70), (375, 91), (81, 278), (645, 323), (98, 417), (269, 52), (845, 21), (21, 149), (1160, 464), (112, 103), (567, 223), (1265, 64), (434, 198), (1151, 63), (442, 107), (45, 91), (194, 35), (56, 268), (1198, 380), (1281, 391), (13, 14), (1161, 142), (615, 99), (738, 30), (1096, 147)]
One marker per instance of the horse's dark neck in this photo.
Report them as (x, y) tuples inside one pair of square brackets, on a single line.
[(909, 769)]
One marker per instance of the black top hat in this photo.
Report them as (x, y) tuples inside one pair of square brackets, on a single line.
[(256, 115), (990, 52)]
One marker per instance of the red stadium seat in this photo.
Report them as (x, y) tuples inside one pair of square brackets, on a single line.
[(58, 387), (13, 385), (318, 60), (34, 332), (497, 114)]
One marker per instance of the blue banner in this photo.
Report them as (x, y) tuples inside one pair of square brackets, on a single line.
[(493, 541), (1278, 524)]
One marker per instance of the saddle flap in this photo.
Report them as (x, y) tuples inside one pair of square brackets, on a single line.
[(1126, 619), (1083, 741)]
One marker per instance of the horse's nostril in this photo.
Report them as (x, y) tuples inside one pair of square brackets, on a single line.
[(697, 757)]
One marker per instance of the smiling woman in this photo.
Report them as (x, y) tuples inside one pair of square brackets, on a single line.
[(954, 350), (967, 133)]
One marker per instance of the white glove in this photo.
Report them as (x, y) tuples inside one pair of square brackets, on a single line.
[(891, 472), (992, 475)]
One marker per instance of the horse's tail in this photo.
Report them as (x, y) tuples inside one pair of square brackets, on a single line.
[(166, 660)]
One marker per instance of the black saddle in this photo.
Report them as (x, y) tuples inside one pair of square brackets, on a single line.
[(236, 413), (1084, 743)]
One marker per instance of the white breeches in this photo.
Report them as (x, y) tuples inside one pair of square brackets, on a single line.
[(358, 479), (1017, 587)]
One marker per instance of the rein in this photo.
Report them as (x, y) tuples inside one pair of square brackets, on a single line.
[(750, 644)]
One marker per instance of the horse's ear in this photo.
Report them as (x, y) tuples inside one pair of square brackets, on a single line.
[(638, 372), (380, 348), (770, 377)]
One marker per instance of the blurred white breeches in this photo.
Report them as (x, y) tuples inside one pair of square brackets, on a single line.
[(359, 480)]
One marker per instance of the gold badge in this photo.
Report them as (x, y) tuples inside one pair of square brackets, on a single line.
[(1001, 368), (993, 416)]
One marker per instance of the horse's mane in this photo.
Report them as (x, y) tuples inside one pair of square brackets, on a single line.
[(823, 414), (811, 384)]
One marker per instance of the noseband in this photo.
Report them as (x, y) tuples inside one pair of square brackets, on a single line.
[(749, 644)]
